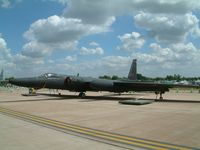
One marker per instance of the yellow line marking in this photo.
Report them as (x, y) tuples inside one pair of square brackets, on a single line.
[(95, 133), (87, 133)]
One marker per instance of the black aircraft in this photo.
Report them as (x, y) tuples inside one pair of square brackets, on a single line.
[(83, 84)]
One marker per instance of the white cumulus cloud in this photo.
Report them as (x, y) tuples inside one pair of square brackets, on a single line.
[(94, 50), (9, 3), (93, 44), (5, 3), (98, 12), (168, 22), (177, 58), (57, 29), (91, 51), (24, 62), (116, 62), (36, 50), (4, 50), (131, 41), (63, 2), (71, 58), (57, 32), (166, 27)]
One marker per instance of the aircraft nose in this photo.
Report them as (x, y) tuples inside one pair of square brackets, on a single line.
[(28, 82), (19, 81)]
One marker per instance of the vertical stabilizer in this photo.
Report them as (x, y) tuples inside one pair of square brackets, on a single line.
[(133, 70)]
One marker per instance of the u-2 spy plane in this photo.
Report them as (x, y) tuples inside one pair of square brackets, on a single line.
[(83, 84)]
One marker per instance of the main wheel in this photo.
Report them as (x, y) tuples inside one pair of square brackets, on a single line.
[(82, 94)]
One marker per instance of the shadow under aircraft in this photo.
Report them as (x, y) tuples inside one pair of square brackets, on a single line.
[(83, 84)]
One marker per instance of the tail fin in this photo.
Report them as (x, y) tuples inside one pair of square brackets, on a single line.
[(133, 70)]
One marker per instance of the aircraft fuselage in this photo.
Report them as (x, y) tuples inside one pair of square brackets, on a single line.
[(83, 84)]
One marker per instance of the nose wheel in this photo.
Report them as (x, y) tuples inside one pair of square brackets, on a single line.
[(82, 94), (31, 91)]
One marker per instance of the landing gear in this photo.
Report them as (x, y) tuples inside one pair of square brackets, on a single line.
[(161, 93), (82, 94), (156, 94), (161, 97), (31, 91)]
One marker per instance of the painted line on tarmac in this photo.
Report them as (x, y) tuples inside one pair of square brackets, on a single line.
[(127, 140)]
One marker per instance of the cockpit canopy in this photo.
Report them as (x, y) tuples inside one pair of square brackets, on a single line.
[(50, 75)]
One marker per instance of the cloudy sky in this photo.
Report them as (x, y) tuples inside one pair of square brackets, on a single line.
[(97, 37)]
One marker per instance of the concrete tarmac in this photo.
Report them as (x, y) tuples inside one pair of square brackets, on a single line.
[(16, 134), (176, 121)]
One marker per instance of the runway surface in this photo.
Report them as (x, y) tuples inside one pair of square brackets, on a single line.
[(102, 136)]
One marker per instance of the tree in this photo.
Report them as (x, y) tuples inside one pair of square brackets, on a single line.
[(141, 77), (105, 77), (114, 77)]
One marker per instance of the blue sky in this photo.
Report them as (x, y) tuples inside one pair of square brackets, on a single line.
[(18, 17), (94, 38)]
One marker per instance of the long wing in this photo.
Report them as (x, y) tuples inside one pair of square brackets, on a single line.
[(147, 86)]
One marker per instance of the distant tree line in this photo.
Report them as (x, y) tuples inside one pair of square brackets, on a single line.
[(114, 77), (5, 82), (9, 78), (175, 77)]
